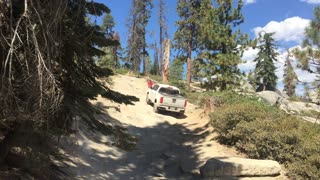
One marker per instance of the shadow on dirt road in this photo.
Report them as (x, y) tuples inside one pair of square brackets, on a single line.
[(163, 151)]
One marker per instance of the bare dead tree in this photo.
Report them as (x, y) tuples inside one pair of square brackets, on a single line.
[(163, 29), (166, 61)]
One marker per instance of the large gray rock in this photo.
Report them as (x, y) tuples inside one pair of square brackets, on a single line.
[(293, 107), (247, 87), (219, 167), (270, 97)]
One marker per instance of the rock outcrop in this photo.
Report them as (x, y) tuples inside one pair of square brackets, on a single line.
[(234, 167), (270, 97)]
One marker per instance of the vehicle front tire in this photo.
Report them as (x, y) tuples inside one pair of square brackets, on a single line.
[(155, 108), (147, 100)]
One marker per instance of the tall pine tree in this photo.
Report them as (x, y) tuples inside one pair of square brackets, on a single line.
[(111, 57), (289, 77), (137, 46), (155, 65), (108, 25), (265, 69), (221, 44), (186, 37)]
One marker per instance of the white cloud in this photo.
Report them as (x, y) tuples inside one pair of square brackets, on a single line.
[(248, 56), (311, 1), (291, 29), (249, 1)]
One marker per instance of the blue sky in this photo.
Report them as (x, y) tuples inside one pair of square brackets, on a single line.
[(287, 18)]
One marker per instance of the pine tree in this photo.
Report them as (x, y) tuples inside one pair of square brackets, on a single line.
[(137, 46), (265, 69), (116, 51), (309, 57), (289, 77), (148, 64), (185, 38), (108, 25), (111, 57), (220, 44), (176, 71), (105, 61), (53, 72), (155, 66)]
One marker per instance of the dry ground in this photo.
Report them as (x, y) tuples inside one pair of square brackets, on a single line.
[(167, 147)]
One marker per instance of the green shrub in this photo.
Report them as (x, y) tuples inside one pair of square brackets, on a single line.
[(229, 97), (270, 139), (265, 132), (197, 97), (179, 84), (226, 119), (156, 78), (121, 71), (310, 113)]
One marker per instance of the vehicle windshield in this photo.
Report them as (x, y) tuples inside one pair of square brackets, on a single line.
[(169, 91)]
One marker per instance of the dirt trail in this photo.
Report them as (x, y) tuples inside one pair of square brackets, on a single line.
[(167, 147)]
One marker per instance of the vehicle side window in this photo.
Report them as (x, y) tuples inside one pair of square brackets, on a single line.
[(169, 91), (162, 90), (155, 87)]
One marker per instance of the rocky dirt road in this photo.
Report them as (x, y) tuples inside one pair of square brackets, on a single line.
[(167, 147)]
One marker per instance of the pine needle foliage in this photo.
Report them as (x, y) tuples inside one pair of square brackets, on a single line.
[(309, 56), (47, 66), (221, 44)]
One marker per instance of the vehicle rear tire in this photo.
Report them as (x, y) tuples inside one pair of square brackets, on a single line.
[(155, 108), (147, 100)]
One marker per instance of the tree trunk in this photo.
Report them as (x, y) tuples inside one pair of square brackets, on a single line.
[(135, 67), (115, 57), (166, 61), (144, 65), (161, 61), (188, 80), (156, 59)]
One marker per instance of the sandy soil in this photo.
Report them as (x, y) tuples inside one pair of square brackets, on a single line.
[(167, 147)]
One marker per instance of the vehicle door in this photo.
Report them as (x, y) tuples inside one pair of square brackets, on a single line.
[(152, 92)]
